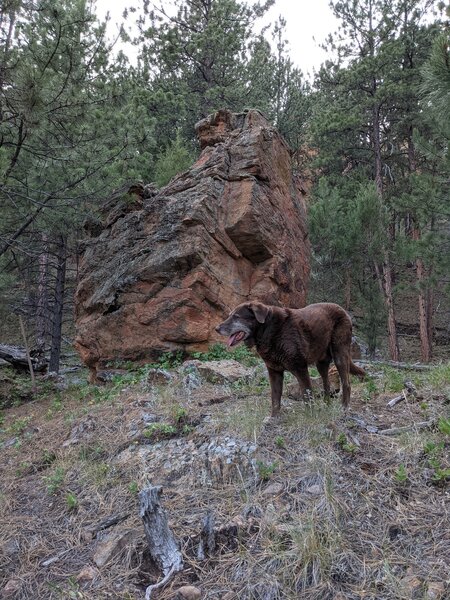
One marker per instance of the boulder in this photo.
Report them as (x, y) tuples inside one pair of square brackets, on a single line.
[(220, 371), (166, 267), (112, 543)]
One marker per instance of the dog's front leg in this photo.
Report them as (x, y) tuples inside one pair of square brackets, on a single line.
[(276, 387)]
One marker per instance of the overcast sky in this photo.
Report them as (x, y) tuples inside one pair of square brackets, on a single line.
[(307, 25)]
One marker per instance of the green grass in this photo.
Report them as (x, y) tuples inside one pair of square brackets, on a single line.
[(219, 351)]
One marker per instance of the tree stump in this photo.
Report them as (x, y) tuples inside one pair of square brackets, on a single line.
[(163, 546)]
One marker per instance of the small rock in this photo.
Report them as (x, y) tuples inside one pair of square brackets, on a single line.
[(87, 573), (274, 489), (371, 428), (436, 590), (159, 377), (315, 490), (189, 592), (149, 418), (10, 442), (111, 545), (223, 371), (11, 547), (412, 585), (11, 588)]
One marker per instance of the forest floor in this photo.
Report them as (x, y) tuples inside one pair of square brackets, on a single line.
[(316, 505)]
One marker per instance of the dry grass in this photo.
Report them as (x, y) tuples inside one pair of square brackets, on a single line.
[(340, 524)]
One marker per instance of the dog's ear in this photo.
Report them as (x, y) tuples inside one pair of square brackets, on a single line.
[(261, 311)]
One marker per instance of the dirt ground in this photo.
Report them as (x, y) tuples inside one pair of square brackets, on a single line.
[(316, 505)]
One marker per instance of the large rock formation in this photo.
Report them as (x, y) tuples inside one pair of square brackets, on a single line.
[(165, 266)]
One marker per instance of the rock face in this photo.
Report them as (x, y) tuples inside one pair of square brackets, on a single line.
[(165, 266)]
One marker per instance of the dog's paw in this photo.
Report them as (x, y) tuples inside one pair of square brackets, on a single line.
[(271, 420)]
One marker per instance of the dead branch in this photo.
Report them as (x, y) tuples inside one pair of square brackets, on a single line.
[(108, 522), (406, 429), (410, 391)]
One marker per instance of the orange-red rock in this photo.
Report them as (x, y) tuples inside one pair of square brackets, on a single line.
[(166, 267)]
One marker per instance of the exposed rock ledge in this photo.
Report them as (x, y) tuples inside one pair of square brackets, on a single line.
[(164, 266)]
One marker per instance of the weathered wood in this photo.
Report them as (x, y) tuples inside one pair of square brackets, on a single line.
[(396, 400), (207, 537), (409, 391), (163, 546), (17, 357), (406, 429), (395, 364)]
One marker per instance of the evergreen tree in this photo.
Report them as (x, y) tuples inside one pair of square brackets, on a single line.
[(362, 121), (70, 130)]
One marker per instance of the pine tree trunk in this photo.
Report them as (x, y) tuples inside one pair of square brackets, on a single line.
[(55, 348), (392, 324), (42, 321), (425, 306), (424, 294), (384, 278)]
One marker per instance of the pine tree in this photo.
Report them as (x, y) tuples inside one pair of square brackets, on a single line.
[(368, 100)]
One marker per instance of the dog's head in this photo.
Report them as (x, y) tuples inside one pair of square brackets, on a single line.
[(243, 322)]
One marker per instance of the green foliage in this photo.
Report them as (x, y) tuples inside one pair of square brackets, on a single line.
[(280, 441), (179, 414), (370, 390), (219, 351), (169, 360), (71, 501), (175, 159), (159, 430), (55, 481), (444, 426), (266, 470), (19, 425), (133, 488), (345, 444), (207, 55), (401, 474)]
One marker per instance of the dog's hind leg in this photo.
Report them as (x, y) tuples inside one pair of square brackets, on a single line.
[(323, 367), (276, 388), (342, 362)]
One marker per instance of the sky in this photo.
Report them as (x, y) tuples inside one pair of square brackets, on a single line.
[(307, 25)]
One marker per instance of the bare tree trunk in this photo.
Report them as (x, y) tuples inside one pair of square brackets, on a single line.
[(42, 320), (348, 288), (425, 306), (424, 293), (389, 298), (55, 348), (27, 350), (384, 278)]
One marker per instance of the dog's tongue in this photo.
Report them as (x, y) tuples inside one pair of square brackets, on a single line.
[(235, 338)]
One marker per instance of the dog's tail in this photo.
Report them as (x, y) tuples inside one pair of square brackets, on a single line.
[(355, 370)]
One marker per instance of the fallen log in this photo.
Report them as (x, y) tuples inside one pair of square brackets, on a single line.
[(163, 546), (17, 357), (395, 364), (407, 428)]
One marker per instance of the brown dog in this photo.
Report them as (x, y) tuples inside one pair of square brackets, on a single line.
[(291, 339)]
